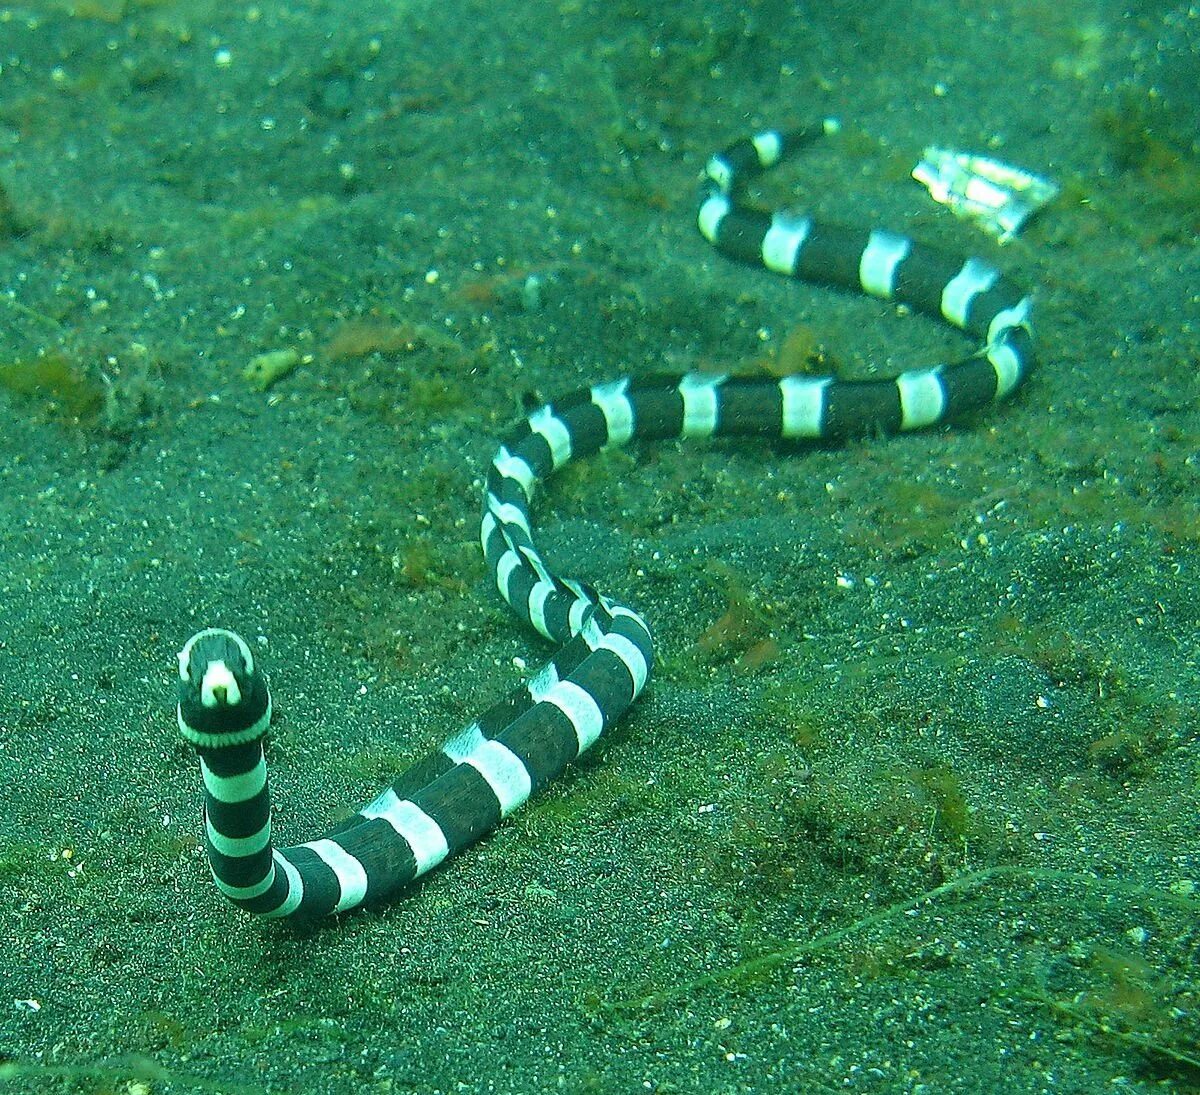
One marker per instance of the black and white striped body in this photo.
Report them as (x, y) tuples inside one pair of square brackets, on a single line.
[(488, 769), (966, 293)]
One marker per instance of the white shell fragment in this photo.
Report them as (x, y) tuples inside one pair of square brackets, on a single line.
[(1001, 198)]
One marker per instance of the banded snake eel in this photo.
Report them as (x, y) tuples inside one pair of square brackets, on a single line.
[(461, 791)]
